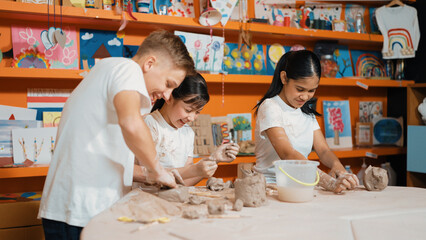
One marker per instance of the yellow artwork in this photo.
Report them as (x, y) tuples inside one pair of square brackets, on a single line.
[(51, 119)]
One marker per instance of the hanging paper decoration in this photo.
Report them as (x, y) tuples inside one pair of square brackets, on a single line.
[(205, 50), (225, 8)]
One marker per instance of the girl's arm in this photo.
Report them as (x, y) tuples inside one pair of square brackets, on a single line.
[(282, 144), (329, 159)]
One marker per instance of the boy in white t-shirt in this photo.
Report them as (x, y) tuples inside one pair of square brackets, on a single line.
[(174, 139), (102, 132), (286, 127)]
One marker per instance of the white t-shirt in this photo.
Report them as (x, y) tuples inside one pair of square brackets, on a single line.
[(400, 29), (173, 145), (298, 126), (92, 167)]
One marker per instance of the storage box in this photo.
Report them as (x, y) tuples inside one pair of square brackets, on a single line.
[(18, 219)]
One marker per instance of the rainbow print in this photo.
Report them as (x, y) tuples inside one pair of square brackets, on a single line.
[(30, 59), (367, 64), (399, 38)]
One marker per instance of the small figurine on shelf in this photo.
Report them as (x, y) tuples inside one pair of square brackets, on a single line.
[(422, 110)]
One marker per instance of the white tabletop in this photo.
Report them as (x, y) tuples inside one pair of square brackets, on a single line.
[(394, 213)]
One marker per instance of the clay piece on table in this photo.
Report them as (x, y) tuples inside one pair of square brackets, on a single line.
[(144, 206), (180, 194), (190, 214), (238, 205), (196, 200), (229, 184), (251, 189), (216, 207), (375, 178), (215, 184)]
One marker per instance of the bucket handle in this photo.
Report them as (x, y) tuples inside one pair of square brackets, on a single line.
[(300, 182)]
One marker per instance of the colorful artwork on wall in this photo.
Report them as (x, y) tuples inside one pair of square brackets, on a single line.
[(244, 61), (205, 50), (98, 44), (368, 63), (370, 110), (351, 11), (47, 100), (29, 50), (337, 124), (342, 57), (273, 55)]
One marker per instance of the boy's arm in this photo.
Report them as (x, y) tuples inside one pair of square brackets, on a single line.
[(138, 136)]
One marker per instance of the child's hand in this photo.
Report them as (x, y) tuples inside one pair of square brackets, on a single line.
[(352, 180), (225, 153), (160, 176), (206, 168)]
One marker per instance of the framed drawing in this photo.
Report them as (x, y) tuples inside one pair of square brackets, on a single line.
[(339, 26), (364, 134)]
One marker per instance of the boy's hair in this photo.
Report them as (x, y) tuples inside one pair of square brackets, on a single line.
[(165, 42), (298, 65), (193, 90)]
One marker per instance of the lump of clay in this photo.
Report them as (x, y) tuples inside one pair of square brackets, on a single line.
[(180, 194), (247, 146), (191, 214), (216, 207), (238, 205), (375, 178), (196, 200), (215, 184), (251, 189)]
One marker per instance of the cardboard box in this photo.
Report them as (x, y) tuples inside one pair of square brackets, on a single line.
[(19, 214), (22, 233)]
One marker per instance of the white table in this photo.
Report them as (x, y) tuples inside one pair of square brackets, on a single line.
[(394, 213)]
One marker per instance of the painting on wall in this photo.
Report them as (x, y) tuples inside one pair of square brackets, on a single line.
[(368, 63), (342, 57), (245, 61), (273, 55), (205, 50), (30, 48), (337, 124), (33, 145), (98, 44), (351, 12)]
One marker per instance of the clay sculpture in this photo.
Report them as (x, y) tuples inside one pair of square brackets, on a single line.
[(375, 178)]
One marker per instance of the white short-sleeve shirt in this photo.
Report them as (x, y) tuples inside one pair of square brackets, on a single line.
[(92, 167), (298, 126), (173, 145)]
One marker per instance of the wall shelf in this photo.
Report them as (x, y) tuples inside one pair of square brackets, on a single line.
[(107, 19), (63, 74), (19, 172)]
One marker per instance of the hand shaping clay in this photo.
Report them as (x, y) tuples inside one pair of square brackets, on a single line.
[(375, 178), (251, 189)]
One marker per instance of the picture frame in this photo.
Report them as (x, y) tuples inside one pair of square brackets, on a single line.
[(340, 26), (364, 134)]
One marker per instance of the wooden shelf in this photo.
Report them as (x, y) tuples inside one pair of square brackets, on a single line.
[(54, 74), (108, 20), (341, 153), (19, 172), (41, 170)]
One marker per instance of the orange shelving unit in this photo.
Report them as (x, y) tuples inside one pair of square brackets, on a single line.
[(238, 94)]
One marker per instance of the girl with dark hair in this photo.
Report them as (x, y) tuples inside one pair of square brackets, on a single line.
[(174, 139), (286, 127)]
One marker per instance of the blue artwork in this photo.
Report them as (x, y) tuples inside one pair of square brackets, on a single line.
[(368, 63), (244, 61), (98, 44), (343, 59), (337, 123), (273, 55)]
